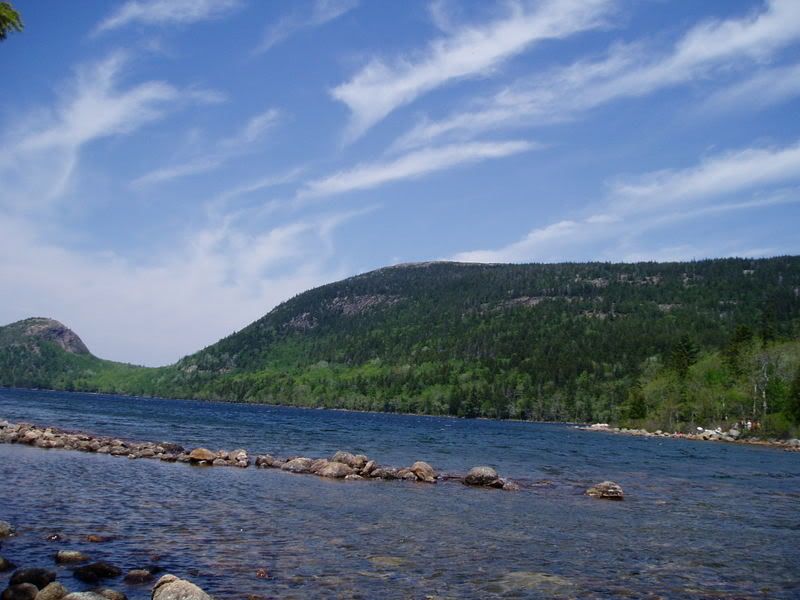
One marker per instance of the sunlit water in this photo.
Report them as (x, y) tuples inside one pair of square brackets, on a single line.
[(700, 519)]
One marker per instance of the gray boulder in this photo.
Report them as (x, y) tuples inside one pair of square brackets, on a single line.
[(52, 591), (481, 476), (335, 470), (170, 587), (423, 471), (298, 465)]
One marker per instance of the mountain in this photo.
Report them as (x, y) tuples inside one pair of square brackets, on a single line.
[(544, 341)]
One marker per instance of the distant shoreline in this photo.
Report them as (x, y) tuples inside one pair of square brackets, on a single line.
[(707, 435)]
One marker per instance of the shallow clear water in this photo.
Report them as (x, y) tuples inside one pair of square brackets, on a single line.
[(700, 519)]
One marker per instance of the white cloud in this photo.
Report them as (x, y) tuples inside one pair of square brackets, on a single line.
[(39, 155), (381, 87), (657, 200), (213, 282), (765, 88), (322, 11), (413, 165), (166, 12), (628, 70), (226, 149)]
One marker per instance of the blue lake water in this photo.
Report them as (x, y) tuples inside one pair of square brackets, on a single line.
[(700, 520)]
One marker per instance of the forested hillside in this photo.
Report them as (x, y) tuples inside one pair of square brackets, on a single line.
[(576, 342)]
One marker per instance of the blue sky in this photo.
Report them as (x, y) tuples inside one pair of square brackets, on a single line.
[(172, 169)]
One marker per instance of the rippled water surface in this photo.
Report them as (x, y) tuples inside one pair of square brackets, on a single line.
[(700, 520)]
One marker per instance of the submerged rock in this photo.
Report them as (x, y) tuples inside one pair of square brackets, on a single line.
[(6, 565), (22, 591), (38, 577), (98, 539), (138, 576), (170, 587), (96, 571), (6, 529), (70, 556), (481, 476), (606, 490)]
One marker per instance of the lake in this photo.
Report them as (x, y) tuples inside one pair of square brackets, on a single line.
[(700, 520)]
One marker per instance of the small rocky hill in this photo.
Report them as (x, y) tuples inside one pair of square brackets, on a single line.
[(30, 332)]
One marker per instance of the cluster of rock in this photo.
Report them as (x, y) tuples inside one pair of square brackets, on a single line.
[(345, 465), (41, 584), (342, 465), (702, 434), (50, 437)]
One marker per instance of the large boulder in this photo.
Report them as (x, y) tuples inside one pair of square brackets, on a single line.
[(202, 455), (606, 490), (52, 591), (23, 591), (170, 587), (423, 471), (482, 476), (265, 461), (318, 465), (345, 458), (298, 465), (335, 470), (38, 577)]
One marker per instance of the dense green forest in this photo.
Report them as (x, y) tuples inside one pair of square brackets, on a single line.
[(657, 344)]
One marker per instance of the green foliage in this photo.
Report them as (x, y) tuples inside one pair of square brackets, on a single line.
[(683, 356), (662, 343), (9, 20), (793, 399)]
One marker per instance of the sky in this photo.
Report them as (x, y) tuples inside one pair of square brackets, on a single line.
[(170, 170)]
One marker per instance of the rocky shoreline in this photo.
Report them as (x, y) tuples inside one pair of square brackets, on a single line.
[(731, 436)]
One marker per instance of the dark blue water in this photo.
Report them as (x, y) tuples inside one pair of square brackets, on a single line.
[(700, 520)]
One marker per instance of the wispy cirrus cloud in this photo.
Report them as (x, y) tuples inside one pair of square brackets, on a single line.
[(629, 70), (749, 179), (410, 166), (226, 149), (471, 51), (165, 12), (39, 154), (321, 12)]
